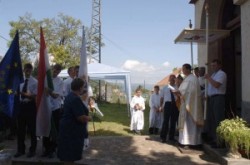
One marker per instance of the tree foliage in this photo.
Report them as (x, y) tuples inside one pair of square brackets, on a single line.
[(63, 37)]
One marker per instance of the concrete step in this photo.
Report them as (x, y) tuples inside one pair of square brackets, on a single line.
[(220, 154)]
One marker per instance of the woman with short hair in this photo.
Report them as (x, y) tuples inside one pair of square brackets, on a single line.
[(73, 124)]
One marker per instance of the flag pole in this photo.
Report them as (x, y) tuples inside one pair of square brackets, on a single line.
[(191, 44), (206, 63)]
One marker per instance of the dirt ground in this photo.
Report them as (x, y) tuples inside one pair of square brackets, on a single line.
[(121, 150)]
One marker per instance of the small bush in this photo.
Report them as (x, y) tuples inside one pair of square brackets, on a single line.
[(235, 133)]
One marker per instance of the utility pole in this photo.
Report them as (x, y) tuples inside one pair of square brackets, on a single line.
[(95, 36), (95, 32)]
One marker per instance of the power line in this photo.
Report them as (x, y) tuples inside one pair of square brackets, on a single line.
[(116, 45), (122, 49), (4, 38)]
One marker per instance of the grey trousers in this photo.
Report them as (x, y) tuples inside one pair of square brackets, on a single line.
[(215, 114)]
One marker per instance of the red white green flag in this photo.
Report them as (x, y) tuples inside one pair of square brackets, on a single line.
[(43, 120)]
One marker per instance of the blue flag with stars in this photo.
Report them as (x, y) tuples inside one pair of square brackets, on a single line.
[(11, 76)]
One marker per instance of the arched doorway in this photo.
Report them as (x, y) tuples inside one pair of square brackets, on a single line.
[(230, 54)]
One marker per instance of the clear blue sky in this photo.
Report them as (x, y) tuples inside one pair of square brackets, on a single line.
[(142, 31)]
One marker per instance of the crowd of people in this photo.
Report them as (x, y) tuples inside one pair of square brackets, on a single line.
[(69, 103), (179, 107)]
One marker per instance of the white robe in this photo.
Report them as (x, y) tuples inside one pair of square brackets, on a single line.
[(191, 113), (155, 118), (137, 116)]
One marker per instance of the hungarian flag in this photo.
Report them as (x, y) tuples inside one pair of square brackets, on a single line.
[(43, 120)]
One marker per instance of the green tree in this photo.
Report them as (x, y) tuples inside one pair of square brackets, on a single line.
[(63, 37)]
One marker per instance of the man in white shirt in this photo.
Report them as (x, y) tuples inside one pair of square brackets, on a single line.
[(67, 82), (170, 111), (216, 102), (26, 117), (55, 98)]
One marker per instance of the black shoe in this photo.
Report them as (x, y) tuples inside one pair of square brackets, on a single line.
[(45, 154), (150, 131), (156, 130), (30, 154), (18, 154), (11, 137), (163, 140), (172, 140), (196, 147), (213, 144), (51, 155)]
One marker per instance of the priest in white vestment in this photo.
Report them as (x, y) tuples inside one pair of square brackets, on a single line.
[(191, 114)]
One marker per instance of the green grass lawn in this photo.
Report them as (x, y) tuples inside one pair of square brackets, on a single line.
[(115, 122)]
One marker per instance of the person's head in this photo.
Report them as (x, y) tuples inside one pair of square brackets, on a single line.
[(76, 69), (71, 71), (196, 71), (56, 69), (186, 69), (138, 92), (172, 79), (77, 85), (27, 69), (216, 65), (202, 71), (156, 89), (178, 80), (91, 101)]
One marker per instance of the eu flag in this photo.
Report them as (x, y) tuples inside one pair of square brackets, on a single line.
[(11, 75)]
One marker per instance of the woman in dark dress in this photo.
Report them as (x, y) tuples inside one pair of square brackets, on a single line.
[(72, 125)]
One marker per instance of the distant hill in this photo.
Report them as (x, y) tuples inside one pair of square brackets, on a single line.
[(147, 86)]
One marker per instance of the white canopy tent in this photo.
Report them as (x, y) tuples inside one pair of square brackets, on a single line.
[(98, 71)]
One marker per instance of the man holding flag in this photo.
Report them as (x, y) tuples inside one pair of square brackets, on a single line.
[(10, 79), (26, 118), (50, 143)]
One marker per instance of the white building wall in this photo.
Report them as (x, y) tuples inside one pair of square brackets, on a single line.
[(201, 48), (212, 21), (245, 38)]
